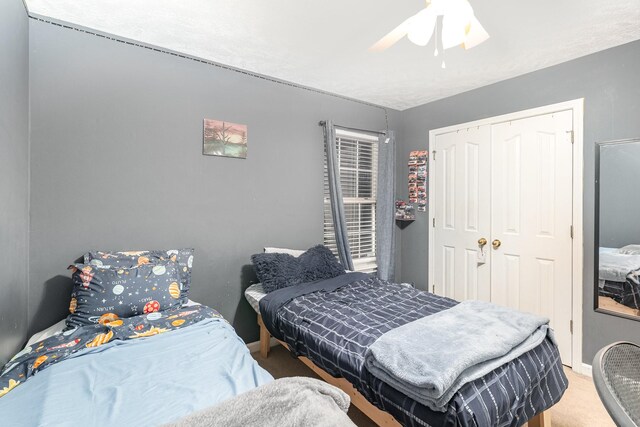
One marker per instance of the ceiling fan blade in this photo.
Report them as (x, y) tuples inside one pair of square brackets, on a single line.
[(422, 26), (393, 36), (476, 34)]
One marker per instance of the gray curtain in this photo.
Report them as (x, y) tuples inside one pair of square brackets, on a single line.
[(335, 194), (385, 207)]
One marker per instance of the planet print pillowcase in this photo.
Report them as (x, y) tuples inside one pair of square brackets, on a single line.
[(104, 294), (184, 258)]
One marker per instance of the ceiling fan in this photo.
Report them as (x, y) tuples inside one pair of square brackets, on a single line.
[(459, 26)]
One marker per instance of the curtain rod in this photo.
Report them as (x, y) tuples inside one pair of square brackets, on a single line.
[(377, 132)]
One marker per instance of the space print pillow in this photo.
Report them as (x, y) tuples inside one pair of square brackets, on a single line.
[(184, 258), (105, 294)]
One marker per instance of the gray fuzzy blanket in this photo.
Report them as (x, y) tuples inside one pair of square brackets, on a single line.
[(296, 401), (430, 359)]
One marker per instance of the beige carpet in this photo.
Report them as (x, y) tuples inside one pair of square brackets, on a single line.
[(579, 407)]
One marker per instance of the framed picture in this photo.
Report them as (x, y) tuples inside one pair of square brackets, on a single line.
[(224, 139)]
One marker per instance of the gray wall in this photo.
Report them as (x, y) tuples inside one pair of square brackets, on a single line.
[(619, 195), (14, 175), (609, 82), (116, 164)]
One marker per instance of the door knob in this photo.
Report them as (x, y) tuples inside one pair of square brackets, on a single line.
[(496, 244), (481, 242)]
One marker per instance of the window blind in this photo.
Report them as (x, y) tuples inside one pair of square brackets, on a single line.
[(358, 164)]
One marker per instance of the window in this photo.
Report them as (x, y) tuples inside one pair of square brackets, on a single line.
[(358, 163)]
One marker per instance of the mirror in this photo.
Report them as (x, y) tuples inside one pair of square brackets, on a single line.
[(617, 228)]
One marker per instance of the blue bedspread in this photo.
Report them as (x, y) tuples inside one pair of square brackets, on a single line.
[(335, 323), (146, 381)]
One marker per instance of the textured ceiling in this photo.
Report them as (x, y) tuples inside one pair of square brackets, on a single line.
[(323, 44)]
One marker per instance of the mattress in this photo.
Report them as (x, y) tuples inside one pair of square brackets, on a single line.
[(254, 294), (333, 323)]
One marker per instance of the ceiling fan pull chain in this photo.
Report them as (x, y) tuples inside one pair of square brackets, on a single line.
[(435, 39)]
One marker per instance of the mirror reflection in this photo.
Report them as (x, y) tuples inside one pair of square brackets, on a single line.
[(618, 237)]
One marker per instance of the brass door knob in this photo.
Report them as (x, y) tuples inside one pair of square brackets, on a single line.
[(496, 244), (482, 241)]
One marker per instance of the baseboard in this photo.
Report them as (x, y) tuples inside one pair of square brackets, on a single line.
[(255, 346), (586, 370)]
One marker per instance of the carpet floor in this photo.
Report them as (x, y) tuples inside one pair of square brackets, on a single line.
[(579, 407)]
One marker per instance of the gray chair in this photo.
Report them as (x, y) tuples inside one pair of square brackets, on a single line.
[(616, 374)]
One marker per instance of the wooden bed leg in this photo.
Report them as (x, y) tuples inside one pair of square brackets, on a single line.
[(265, 339), (543, 419)]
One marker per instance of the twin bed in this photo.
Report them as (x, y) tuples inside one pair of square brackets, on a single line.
[(619, 277), (131, 381), (332, 324), (178, 362)]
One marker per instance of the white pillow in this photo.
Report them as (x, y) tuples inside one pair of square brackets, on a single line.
[(293, 252), (630, 250), (47, 333)]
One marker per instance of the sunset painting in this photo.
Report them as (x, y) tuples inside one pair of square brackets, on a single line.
[(224, 139)]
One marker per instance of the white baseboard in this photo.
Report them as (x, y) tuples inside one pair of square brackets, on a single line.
[(255, 346), (586, 369)]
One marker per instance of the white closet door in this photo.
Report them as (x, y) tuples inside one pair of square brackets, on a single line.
[(531, 216), (462, 213)]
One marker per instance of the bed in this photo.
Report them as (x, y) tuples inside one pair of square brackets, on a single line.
[(330, 327), (166, 374), (156, 367), (619, 277)]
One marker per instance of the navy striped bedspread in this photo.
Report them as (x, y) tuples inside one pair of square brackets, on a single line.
[(333, 322), (626, 293)]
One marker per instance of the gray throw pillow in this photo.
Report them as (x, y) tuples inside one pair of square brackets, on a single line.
[(279, 270)]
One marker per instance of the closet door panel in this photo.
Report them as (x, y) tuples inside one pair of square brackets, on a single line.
[(531, 215), (462, 213)]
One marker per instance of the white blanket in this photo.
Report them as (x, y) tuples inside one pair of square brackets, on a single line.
[(617, 267)]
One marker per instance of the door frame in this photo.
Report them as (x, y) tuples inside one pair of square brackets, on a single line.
[(577, 108)]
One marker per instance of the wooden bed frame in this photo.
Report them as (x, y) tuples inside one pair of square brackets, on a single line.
[(378, 416)]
